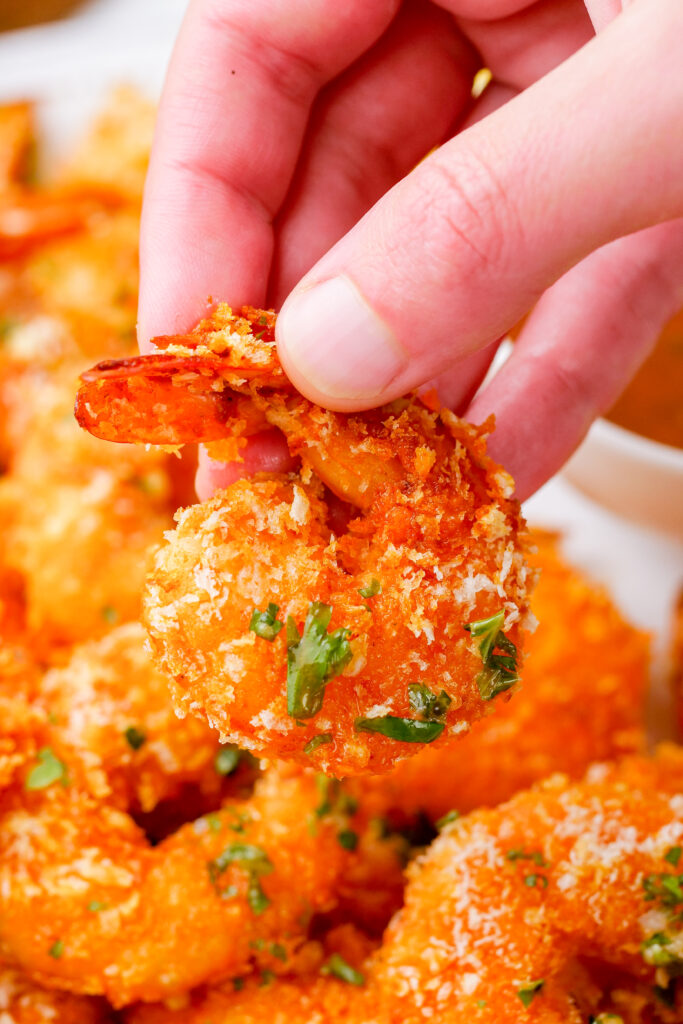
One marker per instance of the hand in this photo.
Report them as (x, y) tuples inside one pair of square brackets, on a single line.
[(287, 133)]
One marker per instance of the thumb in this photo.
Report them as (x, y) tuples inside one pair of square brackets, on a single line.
[(462, 247)]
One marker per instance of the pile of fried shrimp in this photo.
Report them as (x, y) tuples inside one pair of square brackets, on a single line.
[(347, 742)]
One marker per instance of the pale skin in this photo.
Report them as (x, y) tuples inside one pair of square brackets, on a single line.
[(287, 170)]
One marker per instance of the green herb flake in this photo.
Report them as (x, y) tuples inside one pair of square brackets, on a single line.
[(56, 950), (278, 951), (535, 856), (673, 855), (655, 952), (405, 730), (226, 760), (606, 1018), (318, 741), (251, 859), (447, 819), (135, 737), (262, 320), (664, 888), (313, 659), (530, 990), (110, 615), (339, 968), (237, 984), (373, 588), (348, 839), (48, 770), (266, 624), (500, 670), (536, 881), (267, 978), (426, 704), (95, 906)]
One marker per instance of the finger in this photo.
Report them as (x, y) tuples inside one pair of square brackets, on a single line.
[(239, 90), (527, 44), (464, 245), (603, 11), (264, 453), (580, 347), (368, 130)]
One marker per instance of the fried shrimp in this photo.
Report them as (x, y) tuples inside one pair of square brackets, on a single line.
[(23, 1002), (87, 905), (111, 716), (581, 699), (366, 643), (559, 907)]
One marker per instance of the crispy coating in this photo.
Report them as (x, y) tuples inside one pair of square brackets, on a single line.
[(135, 922), (436, 543), (581, 700), (24, 1002), (112, 719), (538, 910), (16, 142), (78, 522), (115, 151)]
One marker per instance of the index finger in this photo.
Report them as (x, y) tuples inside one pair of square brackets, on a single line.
[(240, 85)]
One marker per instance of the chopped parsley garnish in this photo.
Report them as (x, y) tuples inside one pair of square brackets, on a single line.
[(262, 320), (48, 770), (110, 614), (254, 861), (606, 1018), (447, 819), (313, 659), (56, 949), (338, 968), (673, 855), (226, 760), (426, 704), (135, 737), (278, 951), (405, 730), (533, 881), (237, 984), (266, 624), (530, 990), (372, 589), (267, 978), (500, 670), (348, 839), (519, 853), (655, 952), (95, 906), (318, 741), (666, 889)]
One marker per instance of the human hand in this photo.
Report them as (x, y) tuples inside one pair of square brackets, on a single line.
[(283, 123)]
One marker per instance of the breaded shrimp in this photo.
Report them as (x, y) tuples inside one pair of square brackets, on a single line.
[(112, 721), (366, 644), (581, 699), (87, 905), (24, 1002)]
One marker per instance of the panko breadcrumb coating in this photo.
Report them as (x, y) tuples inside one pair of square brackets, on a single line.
[(24, 1002), (237, 888), (358, 639), (581, 699)]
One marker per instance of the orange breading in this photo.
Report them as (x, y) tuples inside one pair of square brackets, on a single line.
[(554, 908), (581, 699), (24, 1002), (16, 142), (139, 922), (112, 721), (374, 614), (114, 153)]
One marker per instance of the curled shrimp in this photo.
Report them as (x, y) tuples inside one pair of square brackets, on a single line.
[(561, 906), (89, 906), (366, 643)]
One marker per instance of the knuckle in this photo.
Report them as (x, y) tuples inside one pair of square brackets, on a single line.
[(469, 209)]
